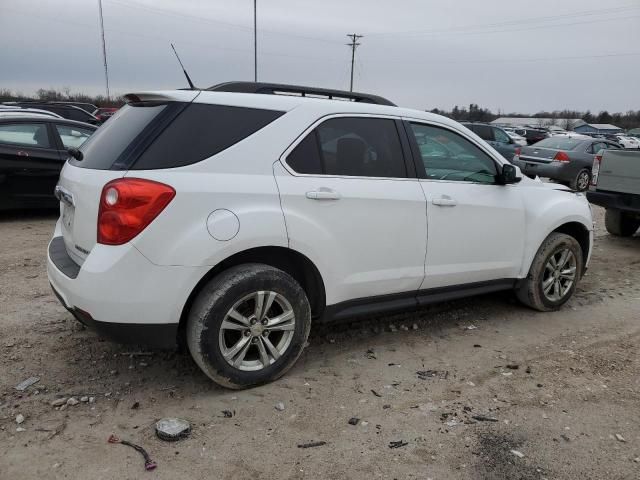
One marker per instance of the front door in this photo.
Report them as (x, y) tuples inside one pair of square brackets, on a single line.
[(476, 227), (351, 207)]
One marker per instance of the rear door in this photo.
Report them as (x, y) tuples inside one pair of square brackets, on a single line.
[(351, 204), (29, 163), (475, 227)]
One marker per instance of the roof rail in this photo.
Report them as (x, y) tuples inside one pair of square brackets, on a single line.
[(282, 89)]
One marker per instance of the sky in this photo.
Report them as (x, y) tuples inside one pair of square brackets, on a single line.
[(506, 55)]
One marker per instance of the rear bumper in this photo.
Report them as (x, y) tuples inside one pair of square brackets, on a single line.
[(121, 294), (625, 202), (154, 335), (555, 170)]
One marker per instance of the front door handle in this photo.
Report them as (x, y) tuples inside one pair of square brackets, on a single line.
[(444, 201), (322, 194)]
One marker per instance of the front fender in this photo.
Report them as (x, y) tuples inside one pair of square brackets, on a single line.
[(547, 211)]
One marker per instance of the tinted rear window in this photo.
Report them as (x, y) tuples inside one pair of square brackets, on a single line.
[(559, 143), (201, 131), (111, 140)]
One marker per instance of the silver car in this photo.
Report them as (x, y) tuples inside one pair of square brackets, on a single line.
[(564, 159)]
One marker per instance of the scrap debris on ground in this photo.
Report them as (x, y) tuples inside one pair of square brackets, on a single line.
[(570, 408)]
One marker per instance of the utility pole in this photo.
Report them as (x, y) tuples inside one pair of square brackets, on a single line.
[(354, 44), (255, 41), (104, 48)]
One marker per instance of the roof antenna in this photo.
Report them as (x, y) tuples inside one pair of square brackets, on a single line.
[(185, 72)]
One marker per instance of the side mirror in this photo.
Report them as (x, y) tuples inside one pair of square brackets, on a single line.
[(75, 153), (508, 175)]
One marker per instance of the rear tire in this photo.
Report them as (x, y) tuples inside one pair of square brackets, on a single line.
[(553, 277), (619, 223), (248, 325), (582, 180)]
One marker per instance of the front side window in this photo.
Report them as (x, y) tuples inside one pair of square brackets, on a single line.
[(72, 137), (25, 135), (351, 146), (449, 156)]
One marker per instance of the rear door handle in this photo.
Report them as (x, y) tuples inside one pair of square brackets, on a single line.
[(444, 201), (323, 195)]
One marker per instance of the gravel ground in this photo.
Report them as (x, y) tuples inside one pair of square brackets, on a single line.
[(562, 387)]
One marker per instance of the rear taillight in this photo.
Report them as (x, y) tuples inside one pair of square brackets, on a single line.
[(517, 152), (561, 157), (595, 169), (127, 206)]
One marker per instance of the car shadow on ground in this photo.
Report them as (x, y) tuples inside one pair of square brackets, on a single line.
[(27, 215), (122, 369)]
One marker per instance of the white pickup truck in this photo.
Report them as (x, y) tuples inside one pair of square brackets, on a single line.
[(615, 185)]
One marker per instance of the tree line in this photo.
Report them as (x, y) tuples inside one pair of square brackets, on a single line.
[(53, 95), (474, 113), (627, 121)]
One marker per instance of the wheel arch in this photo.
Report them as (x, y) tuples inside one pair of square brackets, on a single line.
[(296, 264), (578, 231)]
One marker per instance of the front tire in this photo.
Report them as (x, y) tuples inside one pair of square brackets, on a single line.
[(554, 273), (582, 180), (619, 223), (248, 325)]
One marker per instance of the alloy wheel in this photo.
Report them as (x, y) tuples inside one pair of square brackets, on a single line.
[(559, 274), (257, 330), (582, 181)]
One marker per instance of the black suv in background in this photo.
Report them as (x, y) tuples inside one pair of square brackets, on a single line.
[(32, 152), (496, 137), (533, 135), (65, 110)]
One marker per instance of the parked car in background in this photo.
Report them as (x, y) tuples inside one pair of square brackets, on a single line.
[(518, 139), (496, 137), (87, 107), (103, 114), (70, 112), (616, 187), (32, 152), (297, 210), (627, 142), (564, 159), (28, 112), (533, 135)]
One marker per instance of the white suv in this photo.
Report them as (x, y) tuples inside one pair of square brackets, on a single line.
[(232, 221)]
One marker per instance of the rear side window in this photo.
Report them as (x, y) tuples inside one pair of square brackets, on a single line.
[(201, 131), (351, 146), (111, 140), (305, 158), (485, 132)]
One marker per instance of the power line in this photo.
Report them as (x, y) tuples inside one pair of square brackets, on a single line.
[(466, 29), (354, 44), (255, 41), (235, 26), (104, 48)]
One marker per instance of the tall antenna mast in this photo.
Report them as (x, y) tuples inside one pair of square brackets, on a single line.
[(185, 72), (255, 41), (354, 44), (104, 48)]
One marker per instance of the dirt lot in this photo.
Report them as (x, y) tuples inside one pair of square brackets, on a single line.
[(560, 385)]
